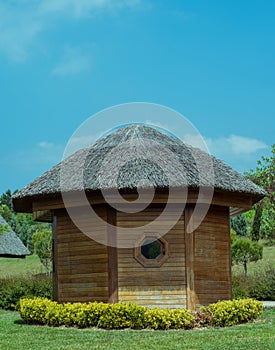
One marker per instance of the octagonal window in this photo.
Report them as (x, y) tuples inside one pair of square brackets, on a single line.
[(151, 250)]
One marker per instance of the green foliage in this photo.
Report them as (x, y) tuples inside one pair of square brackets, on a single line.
[(121, 316), (268, 224), (12, 289), (25, 227), (243, 251), (238, 224), (233, 236), (42, 244), (264, 176), (256, 227), (6, 213), (5, 199), (4, 228), (232, 312), (259, 285)]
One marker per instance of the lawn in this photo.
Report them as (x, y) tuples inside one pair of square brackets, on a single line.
[(14, 334), (10, 267)]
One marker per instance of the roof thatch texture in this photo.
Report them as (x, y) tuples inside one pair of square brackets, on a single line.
[(141, 152), (10, 243)]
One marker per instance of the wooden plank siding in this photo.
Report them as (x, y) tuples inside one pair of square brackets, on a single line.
[(163, 286), (81, 263), (212, 262)]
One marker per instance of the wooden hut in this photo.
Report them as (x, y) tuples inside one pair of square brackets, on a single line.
[(10, 244), (180, 268)]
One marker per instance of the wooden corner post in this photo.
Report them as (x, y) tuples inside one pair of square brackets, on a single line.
[(189, 258), (112, 256)]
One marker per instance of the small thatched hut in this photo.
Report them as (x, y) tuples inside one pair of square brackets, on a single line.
[(10, 244), (175, 262)]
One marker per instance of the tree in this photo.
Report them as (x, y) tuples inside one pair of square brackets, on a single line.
[(238, 224), (5, 199), (268, 224), (264, 176), (243, 251), (233, 236), (42, 243), (6, 213), (256, 227)]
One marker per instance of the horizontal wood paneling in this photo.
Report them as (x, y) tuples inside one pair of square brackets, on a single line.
[(82, 273), (163, 286), (212, 268)]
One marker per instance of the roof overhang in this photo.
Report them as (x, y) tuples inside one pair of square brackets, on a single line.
[(43, 207)]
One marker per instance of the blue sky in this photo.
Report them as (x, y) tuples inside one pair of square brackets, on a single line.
[(62, 61)]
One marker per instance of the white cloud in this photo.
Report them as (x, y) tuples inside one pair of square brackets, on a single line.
[(18, 30), (21, 21), (245, 145), (73, 62), (196, 140), (45, 144), (84, 8), (236, 145)]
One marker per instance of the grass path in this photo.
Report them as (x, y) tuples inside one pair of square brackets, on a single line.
[(16, 335)]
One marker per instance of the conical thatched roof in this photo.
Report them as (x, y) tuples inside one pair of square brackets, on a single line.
[(141, 152), (10, 243)]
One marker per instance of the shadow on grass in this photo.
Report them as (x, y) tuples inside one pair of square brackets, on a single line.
[(19, 321)]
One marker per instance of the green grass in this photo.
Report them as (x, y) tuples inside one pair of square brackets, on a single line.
[(14, 334), (10, 267)]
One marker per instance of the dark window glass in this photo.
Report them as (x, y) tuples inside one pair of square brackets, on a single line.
[(151, 249)]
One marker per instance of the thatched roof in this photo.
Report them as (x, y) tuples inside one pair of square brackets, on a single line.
[(142, 152), (10, 243)]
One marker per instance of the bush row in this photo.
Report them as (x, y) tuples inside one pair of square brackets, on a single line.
[(259, 285), (14, 288), (118, 316), (232, 312)]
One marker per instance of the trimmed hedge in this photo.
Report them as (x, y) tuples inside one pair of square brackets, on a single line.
[(232, 312), (119, 316)]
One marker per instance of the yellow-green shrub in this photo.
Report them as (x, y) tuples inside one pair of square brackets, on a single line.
[(118, 316), (110, 316), (158, 318), (232, 312), (35, 310)]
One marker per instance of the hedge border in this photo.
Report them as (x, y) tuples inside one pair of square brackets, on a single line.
[(120, 316)]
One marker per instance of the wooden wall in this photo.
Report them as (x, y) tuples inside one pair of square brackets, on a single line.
[(80, 270), (196, 272), (163, 286), (212, 265)]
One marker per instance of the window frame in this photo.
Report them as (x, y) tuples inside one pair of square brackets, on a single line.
[(159, 260)]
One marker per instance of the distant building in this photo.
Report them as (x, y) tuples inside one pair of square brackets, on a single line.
[(11, 245)]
